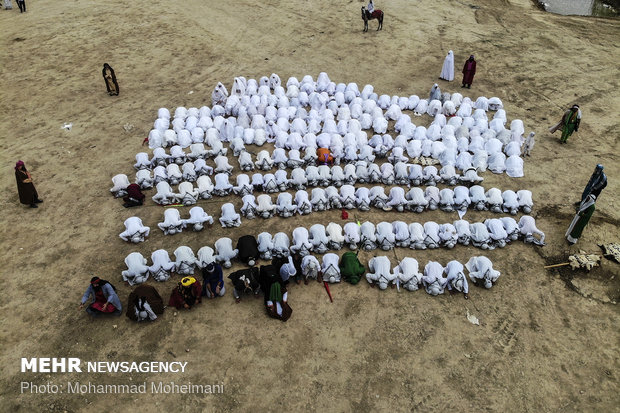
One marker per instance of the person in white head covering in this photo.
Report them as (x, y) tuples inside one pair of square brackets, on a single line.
[(456, 280), (433, 280), (447, 71)]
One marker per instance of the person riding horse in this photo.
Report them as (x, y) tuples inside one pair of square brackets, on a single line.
[(370, 13), (370, 8)]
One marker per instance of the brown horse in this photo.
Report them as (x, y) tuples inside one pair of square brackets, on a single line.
[(377, 14)]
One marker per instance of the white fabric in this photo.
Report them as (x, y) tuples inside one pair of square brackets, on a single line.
[(173, 223), (417, 202), (447, 70), (174, 174), (416, 236), (302, 203), (310, 267), (401, 234), (480, 236), (380, 272), (121, 182), (319, 239), (265, 245), (514, 166), (137, 271), (525, 200), (408, 274), (206, 256), (448, 235), (162, 265), (497, 231), (301, 244), (144, 179), (205, 186), (225, 252), (397, 199), (527, 227), (229, 218), (511, 202), (433, 280), (385, 236), (462, 231), (187, 194), (352, 234), (135, 231), (456, 280), (334, 235), (281, 245), (481, 269), (222, 185), (285, 207), (197, 218), (495, 201), (185, 260), (431, 234)]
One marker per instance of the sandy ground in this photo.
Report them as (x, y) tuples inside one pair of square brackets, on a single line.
[(547, 340)]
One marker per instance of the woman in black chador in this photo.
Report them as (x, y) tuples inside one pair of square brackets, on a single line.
[(110, 80)]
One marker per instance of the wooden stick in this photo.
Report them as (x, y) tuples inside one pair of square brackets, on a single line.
[(557, 265)]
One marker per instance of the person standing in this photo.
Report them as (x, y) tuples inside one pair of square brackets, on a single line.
[(110, 80), (469, 70), (581, 219), (569, 123), (22, 5), (27, 193), (597, 182), (105, 300), (8, 5), (447, 70)]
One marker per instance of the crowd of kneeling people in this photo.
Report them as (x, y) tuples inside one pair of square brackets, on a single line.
[(272, 280)]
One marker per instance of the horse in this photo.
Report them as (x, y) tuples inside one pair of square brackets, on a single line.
[(377, 14)]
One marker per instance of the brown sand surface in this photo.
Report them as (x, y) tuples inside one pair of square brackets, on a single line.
[(548, 339)]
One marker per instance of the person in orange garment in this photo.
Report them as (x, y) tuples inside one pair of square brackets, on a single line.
[(324, 157)]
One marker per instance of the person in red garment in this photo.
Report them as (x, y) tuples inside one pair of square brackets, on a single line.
[(186, 294), (105, 300), (469, 70)]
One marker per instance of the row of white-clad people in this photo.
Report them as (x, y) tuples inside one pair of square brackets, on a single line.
[(435, 278), (350, 197), (300, 133), (319, 239), (363, 199), (351, 147), (485, 154), (341, 104), (405, 274), (322, 175)]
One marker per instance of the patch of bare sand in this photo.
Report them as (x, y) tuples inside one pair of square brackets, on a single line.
[(540, 346)]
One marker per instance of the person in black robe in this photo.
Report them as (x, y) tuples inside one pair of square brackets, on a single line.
[(144, 303), (110, 80), (248, 249), (27, 193), (245, 281)]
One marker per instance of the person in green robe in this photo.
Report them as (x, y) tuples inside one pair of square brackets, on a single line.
[(584, 213), (351, 269), (569, 123)]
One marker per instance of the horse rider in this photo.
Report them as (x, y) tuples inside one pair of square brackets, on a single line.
[(370, 9)]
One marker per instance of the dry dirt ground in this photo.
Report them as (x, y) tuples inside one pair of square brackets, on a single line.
[(547, 340)]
